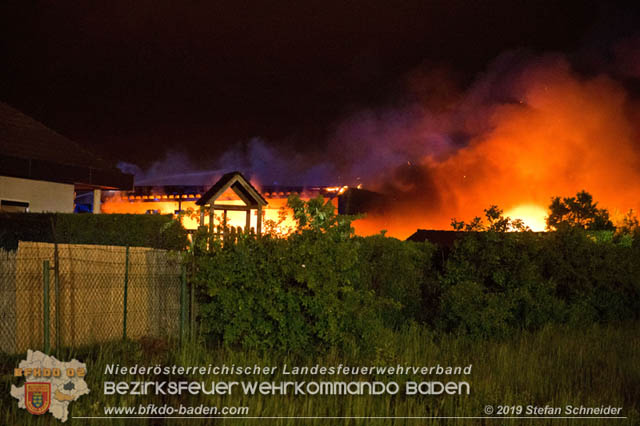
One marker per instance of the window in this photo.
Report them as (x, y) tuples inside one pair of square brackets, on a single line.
[(9, 206)]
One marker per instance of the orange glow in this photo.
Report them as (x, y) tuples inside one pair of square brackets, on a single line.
[(561, 134), (565, 134), (532, 215), (338, 189), (273, 219)]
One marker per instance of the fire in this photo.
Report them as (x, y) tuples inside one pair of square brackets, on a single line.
[(515, 139), (553, 133), (140, 205), (338, 189), (277, 217), (532, 215)]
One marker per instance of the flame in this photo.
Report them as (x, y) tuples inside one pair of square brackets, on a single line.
[(277, 217), (338, 189), (565, 134), (532, 215), (552, 133)]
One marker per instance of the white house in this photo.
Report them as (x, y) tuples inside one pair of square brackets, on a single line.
[(40, 170)]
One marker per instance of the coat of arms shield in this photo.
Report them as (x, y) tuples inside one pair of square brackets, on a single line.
[(37, 397)]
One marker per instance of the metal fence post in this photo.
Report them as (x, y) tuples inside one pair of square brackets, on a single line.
[(183, 302), (192, 313), (56, 281), (45, 306), (126, 290)]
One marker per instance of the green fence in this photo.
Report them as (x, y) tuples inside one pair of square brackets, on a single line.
[(72, 295)]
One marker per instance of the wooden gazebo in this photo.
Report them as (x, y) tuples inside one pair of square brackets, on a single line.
[(244, 190)]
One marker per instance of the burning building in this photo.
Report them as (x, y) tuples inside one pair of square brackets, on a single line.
[(527, 131), (233, 201)]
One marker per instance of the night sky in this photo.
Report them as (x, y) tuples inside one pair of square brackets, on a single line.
[(134, 79)]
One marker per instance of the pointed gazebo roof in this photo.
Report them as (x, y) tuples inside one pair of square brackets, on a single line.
[(244, 190), (239, 185)]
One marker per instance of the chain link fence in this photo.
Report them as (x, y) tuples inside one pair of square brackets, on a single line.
[(8, 300), (71, 295)]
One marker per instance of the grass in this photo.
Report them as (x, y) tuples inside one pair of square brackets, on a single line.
[(556, 366)]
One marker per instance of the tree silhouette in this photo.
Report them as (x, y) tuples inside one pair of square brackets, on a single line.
[(495, 222), (579, 211)]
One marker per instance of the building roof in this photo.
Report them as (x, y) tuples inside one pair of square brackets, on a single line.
[(239, 184), (29, 149), (445, 239)]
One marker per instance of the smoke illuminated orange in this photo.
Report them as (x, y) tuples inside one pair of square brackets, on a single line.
[(552, 133), (565, 134)]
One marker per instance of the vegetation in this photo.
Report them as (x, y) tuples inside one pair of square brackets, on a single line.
[(291, 294), (545, 318), (579, 211), (157, 231), (557, 365), (323, 287), (495, 222)]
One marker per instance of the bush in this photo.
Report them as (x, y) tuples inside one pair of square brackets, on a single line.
[(497, 283), (289, 295), (492, 285), (157, 231), (16, 227), (599, 280), (321, 287), (314, 290), (402, 271)]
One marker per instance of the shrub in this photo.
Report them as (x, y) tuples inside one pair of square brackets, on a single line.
[(599, 280), (291, 295), (321, 287), (492, 285), (403, 272), (157, 231)]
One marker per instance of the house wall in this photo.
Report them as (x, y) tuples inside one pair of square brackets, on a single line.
[(42, 196)]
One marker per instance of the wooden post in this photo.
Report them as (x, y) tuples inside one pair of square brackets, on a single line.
[(247, 225), (259, 225), (202, 216), (224, 222), (211, 219), (97, 201)]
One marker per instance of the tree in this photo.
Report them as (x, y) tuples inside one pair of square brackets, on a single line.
[(495, 222), (320, 216), (629, 224), (578, 212)]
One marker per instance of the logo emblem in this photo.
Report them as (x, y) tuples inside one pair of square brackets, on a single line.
[(37, 397)]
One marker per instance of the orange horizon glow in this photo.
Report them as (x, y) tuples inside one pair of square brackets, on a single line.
[(556, 134), (564, 134), (531, 215)]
